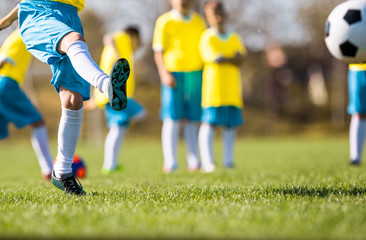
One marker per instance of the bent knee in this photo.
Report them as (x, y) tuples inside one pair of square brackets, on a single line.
[(71, 100), (38, 124), (68, 39)]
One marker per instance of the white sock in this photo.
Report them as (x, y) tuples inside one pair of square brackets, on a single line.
[(205, 139), (112, 146), (228, 138), (356, 137), (68, 136), (86, 67), (39, 139), (170, 137), (191, 140)]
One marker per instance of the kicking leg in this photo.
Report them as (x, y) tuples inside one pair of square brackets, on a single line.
[(114, 86)]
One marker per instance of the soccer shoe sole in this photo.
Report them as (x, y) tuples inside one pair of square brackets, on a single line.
[(117, 86)]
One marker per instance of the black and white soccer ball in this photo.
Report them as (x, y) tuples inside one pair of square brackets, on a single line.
[(345, 31)]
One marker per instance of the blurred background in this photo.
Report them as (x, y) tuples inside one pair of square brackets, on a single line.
[(292, 86)]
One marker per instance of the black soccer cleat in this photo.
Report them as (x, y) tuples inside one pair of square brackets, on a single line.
[(117, 86), (68, 183), (356, 162)]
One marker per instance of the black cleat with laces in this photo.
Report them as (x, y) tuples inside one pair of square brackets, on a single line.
[(68, 183)]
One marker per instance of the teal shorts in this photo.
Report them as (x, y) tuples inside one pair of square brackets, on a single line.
[(183, 101), (15, 107), (227, 116), (42, 25), (357, 92), (124, 117)]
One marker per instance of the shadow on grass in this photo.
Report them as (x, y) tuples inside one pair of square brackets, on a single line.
[(318, 191), (235, 193)]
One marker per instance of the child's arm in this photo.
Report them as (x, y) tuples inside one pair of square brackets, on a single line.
[(166, 77), (9, 19), (238, 59)]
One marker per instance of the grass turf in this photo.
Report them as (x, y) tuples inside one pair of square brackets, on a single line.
[(280, 188)]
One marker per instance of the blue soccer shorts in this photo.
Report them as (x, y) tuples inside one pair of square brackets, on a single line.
[(183, 101), (226, 116), (357, 92), (124, 117), (42, 25), (15, 107)]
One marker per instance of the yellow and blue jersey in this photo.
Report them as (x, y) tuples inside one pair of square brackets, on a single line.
[(14, 49), (177, 37), (357, 67), (79, 4), (221, 84), (357, 89), (123, 48)]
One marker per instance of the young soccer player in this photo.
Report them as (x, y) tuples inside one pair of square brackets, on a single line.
[(53, 33), (223, 53), (357, 109), (15, 106), (116, 45), (176, 53)]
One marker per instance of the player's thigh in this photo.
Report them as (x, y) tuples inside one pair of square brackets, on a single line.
[(43, 26)]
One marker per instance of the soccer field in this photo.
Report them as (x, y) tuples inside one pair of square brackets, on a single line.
[(280, 188)]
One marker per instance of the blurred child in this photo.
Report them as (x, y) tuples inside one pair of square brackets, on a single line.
[(357, 108), (52, 32), (116, 45), (176, 53), (15, 106), (222, 53)]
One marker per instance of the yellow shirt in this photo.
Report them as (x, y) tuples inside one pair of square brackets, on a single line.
[(357, 67), (178, 39), (79, 4), (221, 84), (14, 49), (110, 54)]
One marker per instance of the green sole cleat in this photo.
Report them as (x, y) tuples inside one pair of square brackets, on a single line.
[(68, 183), (117, 85)]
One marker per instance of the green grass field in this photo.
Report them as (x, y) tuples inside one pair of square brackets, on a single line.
[(280, 189)]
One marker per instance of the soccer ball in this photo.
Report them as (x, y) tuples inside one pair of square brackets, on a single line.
[(345, 31), (78, 166)]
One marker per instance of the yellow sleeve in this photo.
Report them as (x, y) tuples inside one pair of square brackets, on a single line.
[(18, 57), (241, 47), (158, 39), (207, 49)]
